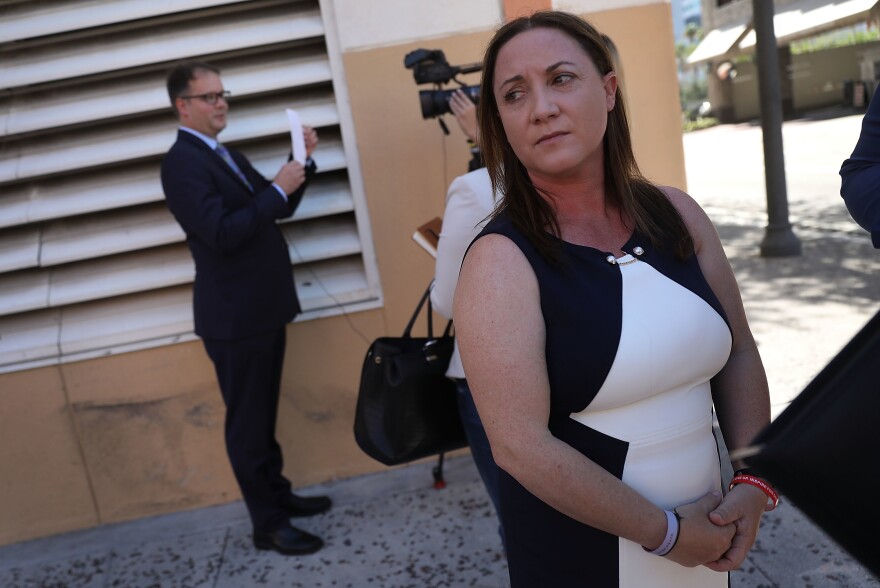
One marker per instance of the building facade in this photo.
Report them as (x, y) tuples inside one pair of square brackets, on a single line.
[(109, 408), (806, 81)]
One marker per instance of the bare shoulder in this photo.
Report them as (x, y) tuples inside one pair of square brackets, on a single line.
[(496, 272), (696, 219), (497, 310), (684, 202), (495, 257)]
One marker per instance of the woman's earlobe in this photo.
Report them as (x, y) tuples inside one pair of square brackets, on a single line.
[(610, 83)]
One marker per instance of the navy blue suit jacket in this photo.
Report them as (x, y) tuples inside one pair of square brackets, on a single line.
[(244, 280), (860, 173)]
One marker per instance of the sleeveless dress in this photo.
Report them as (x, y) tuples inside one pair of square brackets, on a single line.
[(630, 349)]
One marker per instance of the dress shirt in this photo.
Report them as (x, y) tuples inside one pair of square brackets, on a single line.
[(212, 143)]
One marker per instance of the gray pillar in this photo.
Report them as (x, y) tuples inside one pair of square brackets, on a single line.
[(779, 239)]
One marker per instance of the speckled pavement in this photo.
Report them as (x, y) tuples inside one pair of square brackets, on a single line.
[(802, 310), (386, 530), (391, 529)]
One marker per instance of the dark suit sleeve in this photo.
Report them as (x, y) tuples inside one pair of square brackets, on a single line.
[(860, 174), (293, 200), (212, 205)]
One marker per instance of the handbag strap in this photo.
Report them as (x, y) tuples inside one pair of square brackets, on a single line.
[(412, 321), (448, 328)]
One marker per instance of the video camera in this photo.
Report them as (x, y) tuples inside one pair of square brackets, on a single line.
[(430, 67)]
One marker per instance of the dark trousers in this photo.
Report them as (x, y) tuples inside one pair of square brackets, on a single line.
[(249, 374)]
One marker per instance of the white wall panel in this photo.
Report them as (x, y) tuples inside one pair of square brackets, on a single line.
[(126, 320), (329, 155), (81, 149), (120, 274), (91, 261), (325, 198), (23, 291), (329, 285), (82, 57), (19, 249), (91, 236), (585, 6), (164, 317), (28, 338), (323, 239), (377, 23), (101, 100), (75, 15), (80, 194)]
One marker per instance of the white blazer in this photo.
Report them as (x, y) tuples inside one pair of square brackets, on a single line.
[(469, 201)]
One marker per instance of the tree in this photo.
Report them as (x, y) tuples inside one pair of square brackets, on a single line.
[(693, 89)]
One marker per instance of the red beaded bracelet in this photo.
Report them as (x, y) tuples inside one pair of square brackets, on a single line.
[(773, 497)]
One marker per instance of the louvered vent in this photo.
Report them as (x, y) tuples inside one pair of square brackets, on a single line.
[(91, 261)]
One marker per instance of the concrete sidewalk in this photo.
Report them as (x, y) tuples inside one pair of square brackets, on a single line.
[(392, 529), (387, 530)]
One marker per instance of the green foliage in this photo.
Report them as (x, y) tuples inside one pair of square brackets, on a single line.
[(683, 50), (684, 47), (840, 38), (695, 90), (693, 32), (700, 123)]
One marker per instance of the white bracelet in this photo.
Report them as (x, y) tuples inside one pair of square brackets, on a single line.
[(672, 530)]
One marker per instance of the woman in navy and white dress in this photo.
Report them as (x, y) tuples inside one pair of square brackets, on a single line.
[(598, 321)]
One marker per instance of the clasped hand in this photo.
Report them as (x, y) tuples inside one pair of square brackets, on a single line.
[(719, 532)]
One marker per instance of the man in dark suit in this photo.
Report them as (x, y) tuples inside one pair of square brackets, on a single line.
[(243, 295), (860, 186)]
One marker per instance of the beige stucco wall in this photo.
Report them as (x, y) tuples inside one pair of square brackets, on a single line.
[(138, 434), (817, 80), (141, 433)]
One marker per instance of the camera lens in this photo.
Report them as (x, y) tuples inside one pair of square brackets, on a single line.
[(436, 102)]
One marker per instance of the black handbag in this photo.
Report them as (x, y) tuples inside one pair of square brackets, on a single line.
[(406, 406)]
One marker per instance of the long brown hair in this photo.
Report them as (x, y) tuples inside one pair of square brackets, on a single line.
[(640, 201)]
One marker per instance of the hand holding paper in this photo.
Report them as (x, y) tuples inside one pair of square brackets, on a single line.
[(297, 138), (310, 136), (290, 177), (303, 141)]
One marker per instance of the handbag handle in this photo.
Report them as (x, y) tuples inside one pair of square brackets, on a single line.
[(412, 321)]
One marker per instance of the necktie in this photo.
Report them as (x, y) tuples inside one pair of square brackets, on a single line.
[(224, 153)]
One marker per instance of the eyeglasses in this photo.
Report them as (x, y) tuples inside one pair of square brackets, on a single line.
[(211, 97)]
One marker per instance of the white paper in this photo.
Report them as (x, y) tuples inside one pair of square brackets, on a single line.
[(297, 140)]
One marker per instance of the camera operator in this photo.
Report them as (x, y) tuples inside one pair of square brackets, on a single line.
[(431, 67), (465, 112), (469, 201)]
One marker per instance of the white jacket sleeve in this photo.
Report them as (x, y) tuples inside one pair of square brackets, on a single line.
[(468, 202)]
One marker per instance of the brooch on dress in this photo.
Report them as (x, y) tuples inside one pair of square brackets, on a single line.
[(637, 251)]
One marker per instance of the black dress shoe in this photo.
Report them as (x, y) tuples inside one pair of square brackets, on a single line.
[(306, 506), (288, 540)]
